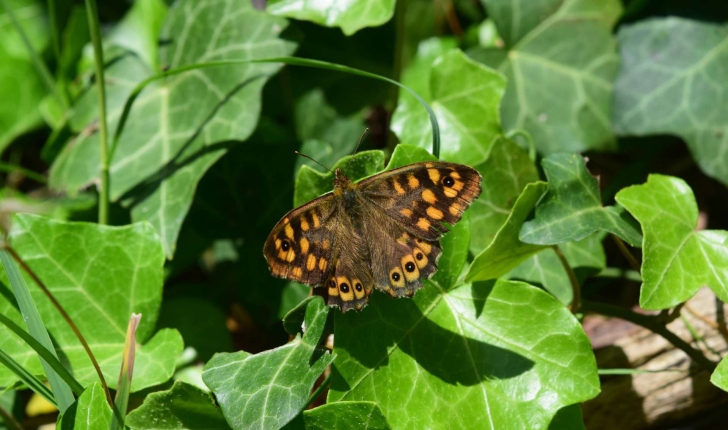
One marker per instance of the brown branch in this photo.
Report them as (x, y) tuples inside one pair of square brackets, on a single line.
[(64, 314), (575, 288), (627, 254)]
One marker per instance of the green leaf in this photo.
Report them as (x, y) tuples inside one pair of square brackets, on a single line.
[(269, 389), (100, 275), (61, 390), (677, 260), (176, 127), (350, 16), (560, 65), (505, 173), (719, 378), (311, 183), (89, 412), (184, 407), (568, 418), (585, 257), (665, 88), (503, 354), (464, 96), (139, 30), (506, 251), (341, 416), (572, 208)]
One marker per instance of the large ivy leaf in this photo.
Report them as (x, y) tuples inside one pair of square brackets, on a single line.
[(572, 208), (501, 354), (677, 260), (560, 68), (673, 81), (465, 96), (505, 173), (21, 88), (89, 412), (183, 407), (174, 130), (341, 416), (269, 389), (100, 275), (350, 15), (506, 251)]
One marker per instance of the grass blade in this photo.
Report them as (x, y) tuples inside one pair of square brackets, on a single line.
[(127, 369), (28, 378), (36, 328)]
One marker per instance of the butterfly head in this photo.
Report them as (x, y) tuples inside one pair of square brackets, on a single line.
[(342, 183)]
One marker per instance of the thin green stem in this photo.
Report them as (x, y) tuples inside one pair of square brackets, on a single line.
[(38, 63), (651, 323), (575, 288), (65, 316), (627, 254), (10, 168), (10, 422), (324, 385), (95, 32)]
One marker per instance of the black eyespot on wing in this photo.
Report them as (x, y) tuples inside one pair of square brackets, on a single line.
[(410, 267), (285, 245), (395, 277), (358, 287), (448, 181), (344, 287)]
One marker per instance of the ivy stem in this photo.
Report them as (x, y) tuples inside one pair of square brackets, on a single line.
[(575, 288), (64, 314), (627, 254), (95, 32), (652, 323), (324, 385)]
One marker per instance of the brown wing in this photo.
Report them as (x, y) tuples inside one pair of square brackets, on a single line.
[(422, 196), (300, 247)]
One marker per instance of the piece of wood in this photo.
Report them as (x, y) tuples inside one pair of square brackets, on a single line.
[(657, 400)]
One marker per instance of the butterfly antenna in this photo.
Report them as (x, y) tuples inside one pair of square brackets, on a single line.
[(366, 130), (311, 158)]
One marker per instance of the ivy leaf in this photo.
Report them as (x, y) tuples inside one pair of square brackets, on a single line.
[(184, 407), (545, 269), (453, 357), (568, 418), (269, 389), (505, 173), (311, 183), (506, 251), (351, 16), (464, 96), (677, 260), (89, 412), (341, 416), (139, 30), (100, 275), (175, 128), (560, 65), (665, 87), (572, 208), (719, 378)]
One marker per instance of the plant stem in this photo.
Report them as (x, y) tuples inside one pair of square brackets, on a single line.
[(65, 316), (9, 419), (324, 385), (654, 325), (95, 32), (627, 254), (38, 63), (575, 288)]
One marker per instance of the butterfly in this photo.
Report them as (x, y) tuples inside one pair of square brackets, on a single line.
[(382, 232)]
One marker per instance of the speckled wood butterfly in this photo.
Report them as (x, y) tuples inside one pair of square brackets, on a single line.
[(381, 232)]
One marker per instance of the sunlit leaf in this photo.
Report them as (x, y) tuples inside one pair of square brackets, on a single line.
[(341, 416), (349, 15), (719, 378), (673, 81), (677, 260), (90, 412)]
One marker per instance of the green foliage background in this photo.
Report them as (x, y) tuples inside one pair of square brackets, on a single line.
[(586, 119)]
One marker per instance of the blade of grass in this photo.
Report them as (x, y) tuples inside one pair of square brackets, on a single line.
[(95, 32), (127, 369), (65, 316), (293, 61), (10, 168), (28, 379), (37, 329), (45, 354), (618, 371)]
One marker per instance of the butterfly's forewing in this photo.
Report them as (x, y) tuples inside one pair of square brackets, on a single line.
[(422, 196), (300, 247)]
